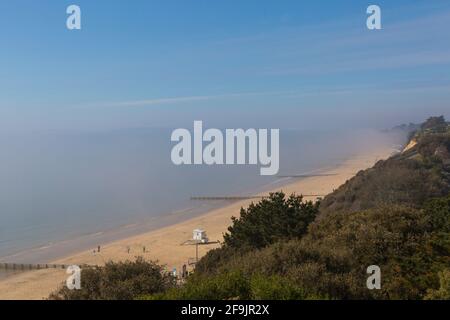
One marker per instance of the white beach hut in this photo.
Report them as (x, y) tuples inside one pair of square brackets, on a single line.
[(199, 235)]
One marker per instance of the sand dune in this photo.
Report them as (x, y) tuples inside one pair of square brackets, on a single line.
[(164, 245)]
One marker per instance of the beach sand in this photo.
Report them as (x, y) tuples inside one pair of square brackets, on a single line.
[(164, 245)]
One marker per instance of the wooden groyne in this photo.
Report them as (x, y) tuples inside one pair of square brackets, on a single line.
[(31, 266), (307, 175), (234, 198), (229, 198)]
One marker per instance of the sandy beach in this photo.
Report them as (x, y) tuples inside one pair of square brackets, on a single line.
[(164, 245)]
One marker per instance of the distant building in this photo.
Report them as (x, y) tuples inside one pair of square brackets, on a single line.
[(199, 235)]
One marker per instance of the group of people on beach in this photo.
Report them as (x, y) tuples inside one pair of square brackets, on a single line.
[(128, 249)]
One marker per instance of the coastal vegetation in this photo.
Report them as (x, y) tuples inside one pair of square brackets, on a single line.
[(118, 281), (395, 215)]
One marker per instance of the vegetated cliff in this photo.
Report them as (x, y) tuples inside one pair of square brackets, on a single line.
[(420, 172)]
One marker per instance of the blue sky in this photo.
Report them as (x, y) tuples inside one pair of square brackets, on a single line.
[(231, 63)]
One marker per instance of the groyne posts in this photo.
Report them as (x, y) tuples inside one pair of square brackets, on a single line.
[(29, 266)]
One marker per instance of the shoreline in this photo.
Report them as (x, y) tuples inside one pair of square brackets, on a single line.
[(104, 236), (163, 244), (127, 230), (85, 241)]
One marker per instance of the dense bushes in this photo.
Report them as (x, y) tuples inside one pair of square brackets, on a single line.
[(118, 281), (411, 247), (443, 293), (235, 284)]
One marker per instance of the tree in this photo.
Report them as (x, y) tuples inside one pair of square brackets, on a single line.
[(434, 123), (271, 220)]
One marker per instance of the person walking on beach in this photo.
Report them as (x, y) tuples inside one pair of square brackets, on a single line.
[(128, 249), (98, 249), (143, 249)]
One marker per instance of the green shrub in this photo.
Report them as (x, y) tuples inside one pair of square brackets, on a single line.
[(274, 287), (118, 281), (410, 245), (443, 293), (271, 220)]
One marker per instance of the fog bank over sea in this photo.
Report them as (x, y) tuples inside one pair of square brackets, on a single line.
[(60, 193)]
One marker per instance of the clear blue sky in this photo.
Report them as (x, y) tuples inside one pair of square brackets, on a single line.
[(247, 62)]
